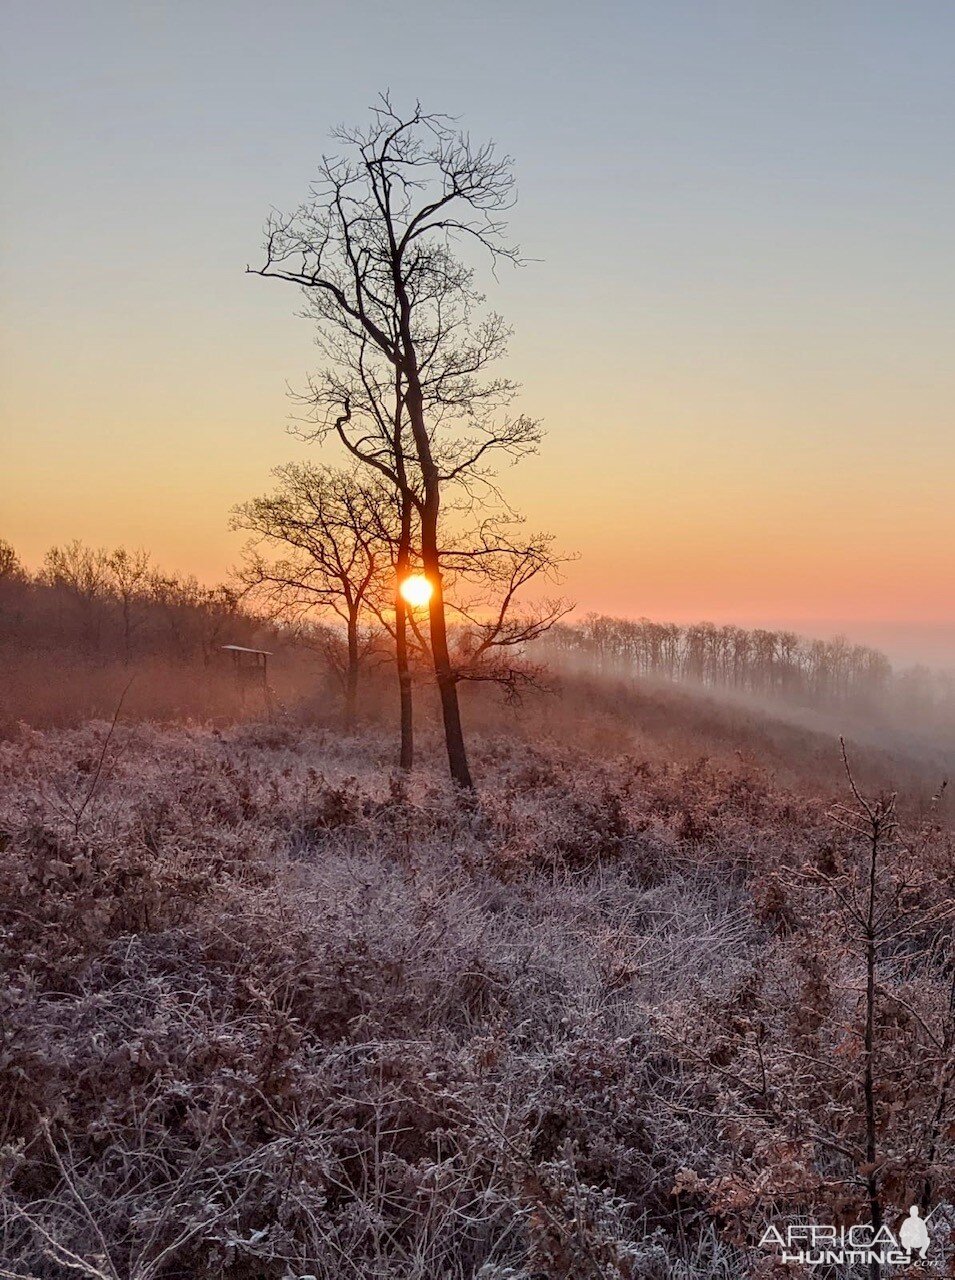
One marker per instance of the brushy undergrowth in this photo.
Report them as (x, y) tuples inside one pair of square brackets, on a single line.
[(271, 1011)]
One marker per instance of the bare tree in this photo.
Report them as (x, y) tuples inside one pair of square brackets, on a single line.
[(326, 526), (78, 569), (129, 575), (834, 1058), (11, 569), (375, 248), (81, 573)]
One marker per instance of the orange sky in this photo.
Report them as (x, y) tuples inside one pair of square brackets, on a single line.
[(738, 328)]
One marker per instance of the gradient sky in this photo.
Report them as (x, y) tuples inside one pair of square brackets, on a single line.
[(739, 330)]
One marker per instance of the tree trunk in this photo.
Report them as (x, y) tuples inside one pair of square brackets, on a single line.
[(447, 681), (406, 758), (127, 633), (444, 673), (351, 674)]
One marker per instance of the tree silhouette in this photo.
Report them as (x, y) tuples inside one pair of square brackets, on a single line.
[(377, 249), (326, 527)]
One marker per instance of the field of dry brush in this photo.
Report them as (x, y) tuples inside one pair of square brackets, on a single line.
[(272, 1011)]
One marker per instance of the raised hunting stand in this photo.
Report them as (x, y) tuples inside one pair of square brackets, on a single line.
[(251, 667)]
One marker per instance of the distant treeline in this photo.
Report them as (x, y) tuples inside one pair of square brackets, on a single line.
[(109, 606), (760, 661), (92, 627), (113, 609)]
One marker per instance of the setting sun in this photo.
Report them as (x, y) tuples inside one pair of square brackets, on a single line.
[(416, 590)]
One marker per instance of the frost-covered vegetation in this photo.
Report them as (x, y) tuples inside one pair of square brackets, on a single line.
[(271, 1010)]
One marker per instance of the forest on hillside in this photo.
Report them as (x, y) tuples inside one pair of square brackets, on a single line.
[(73, 629)]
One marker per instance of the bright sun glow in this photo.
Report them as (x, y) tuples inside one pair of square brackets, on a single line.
[(416, 590)]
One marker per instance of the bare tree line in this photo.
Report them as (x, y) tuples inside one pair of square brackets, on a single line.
[(101, 606), (114, 605), (775, 663), (330, 593)]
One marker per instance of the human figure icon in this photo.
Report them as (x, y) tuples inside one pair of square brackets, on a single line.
[(913, 1234)]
